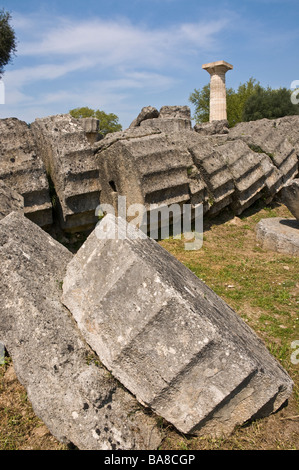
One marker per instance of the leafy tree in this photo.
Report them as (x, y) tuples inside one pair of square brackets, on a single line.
[(235, 101), (82, 112), (108, 122), (201, 101), (270, 104), (8, 41)]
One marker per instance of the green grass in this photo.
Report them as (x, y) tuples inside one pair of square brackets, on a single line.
[(261, 286)]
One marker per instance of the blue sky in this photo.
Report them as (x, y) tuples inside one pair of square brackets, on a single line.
[(119, 56)]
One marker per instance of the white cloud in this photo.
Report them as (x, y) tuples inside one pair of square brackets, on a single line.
[(117, 42), (81, 61), (48, 71)]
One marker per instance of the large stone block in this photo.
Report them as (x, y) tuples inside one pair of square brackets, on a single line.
[(212, 128), (148, 112), (277, 234), (290, 195), (266, 136), (167, 337), (247, 173), (75, 396), (70, 161), (91, 128), (171, 119), (150, 165), (149, 169), (214, 172), (10, 201), (22, 169), (289, 126)]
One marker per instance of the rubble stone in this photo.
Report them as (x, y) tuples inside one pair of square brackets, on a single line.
[(170, 119), (148, 112), (290, 195), (212, 128), (22, 169), (167, 337), (91, 128), (265, 136), (70, 390), (70, 161), (214, 172), (289, 125), (277, 234), (150, 169), (159, 160), (247, 172)]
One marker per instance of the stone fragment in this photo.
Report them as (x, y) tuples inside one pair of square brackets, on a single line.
[(10, 201), (277, 234), (175, 112), (215, 173), (148, 112), (212, 128), (247, 172), (91, 128), (70, 161), (170, 119), (147, 169), (290, 195), (289, 126), (167, 337), (22, 169), (265, 136), (75, 396)]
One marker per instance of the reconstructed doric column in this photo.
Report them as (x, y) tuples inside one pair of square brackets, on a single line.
[(217, 70)]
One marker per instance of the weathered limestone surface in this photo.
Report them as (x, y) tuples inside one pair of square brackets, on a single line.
[(160, 160), (214, 172), (212, 128), (217, 167), (277, 234), (289, 126), (147, 169), (148, 112), (22, 169), (70, 161), (10, 201), (170, 119), (78, 400), (266, 136), (91, 128), (168, 337), (290, 195), (247, 172)]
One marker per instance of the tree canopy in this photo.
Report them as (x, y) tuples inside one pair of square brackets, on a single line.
[(250, 102), (268, 103), (108, 122), (8, 41)]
